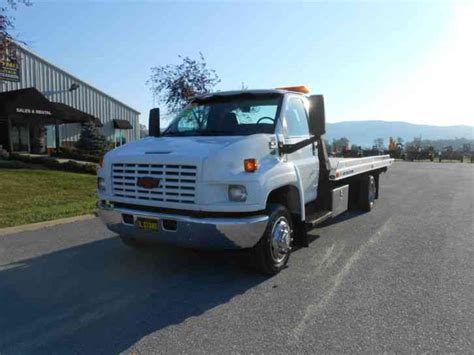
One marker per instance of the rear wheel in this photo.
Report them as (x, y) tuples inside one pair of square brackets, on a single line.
[(272, 252), (368, 192)]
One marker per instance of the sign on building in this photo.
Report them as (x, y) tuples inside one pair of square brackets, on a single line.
[(9, 62)]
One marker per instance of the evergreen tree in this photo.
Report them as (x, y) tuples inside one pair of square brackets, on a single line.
[(91, 139)]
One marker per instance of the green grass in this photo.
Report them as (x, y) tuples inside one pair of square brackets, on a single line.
[(29, 196)]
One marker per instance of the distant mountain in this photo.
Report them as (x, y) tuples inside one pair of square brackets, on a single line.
[(364, 132)]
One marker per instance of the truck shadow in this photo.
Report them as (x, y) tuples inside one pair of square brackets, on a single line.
[(342, 217), (104, 297), (314, 235)]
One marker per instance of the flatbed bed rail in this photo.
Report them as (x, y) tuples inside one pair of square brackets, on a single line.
[(342, 168)]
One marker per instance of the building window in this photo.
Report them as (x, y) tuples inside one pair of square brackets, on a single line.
[(120, 138)]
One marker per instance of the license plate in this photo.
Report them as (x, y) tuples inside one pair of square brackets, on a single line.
[(147, 224)]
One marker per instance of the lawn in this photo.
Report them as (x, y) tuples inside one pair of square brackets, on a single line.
[(29, 196)]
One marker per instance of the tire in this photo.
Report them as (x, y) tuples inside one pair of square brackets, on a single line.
[(131, 242), (368, 191), (270, 255)]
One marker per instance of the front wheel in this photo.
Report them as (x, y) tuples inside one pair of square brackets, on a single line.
[(270, 255)]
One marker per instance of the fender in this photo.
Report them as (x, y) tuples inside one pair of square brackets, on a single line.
[(288, 177), (301, 192)]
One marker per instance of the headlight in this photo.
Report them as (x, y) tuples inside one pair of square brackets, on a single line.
[(237, 193), (101, 184)]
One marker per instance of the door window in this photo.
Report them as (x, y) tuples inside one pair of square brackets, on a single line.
[(296, 118), (20, 136)]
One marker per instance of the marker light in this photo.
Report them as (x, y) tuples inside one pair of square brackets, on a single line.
[(250, 165), (101, 161), (301, 88), (101, 185)]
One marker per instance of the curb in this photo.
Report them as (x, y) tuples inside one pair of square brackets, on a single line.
[(46, 224)]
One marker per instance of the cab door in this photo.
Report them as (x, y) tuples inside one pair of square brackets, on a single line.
[(295, 130)]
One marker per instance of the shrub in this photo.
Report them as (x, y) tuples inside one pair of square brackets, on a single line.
[(76, 155), (12, 164), (4, 154), (53, 164)]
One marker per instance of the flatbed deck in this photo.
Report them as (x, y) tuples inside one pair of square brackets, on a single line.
[(342, 168)]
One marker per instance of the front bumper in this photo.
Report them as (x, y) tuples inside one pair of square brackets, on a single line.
[(215, 233)]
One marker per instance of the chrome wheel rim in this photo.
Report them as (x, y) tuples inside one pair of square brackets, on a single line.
[(281, 237)]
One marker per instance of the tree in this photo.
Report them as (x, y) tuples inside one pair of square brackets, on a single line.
[(378, 143), (91, 139), (440, 144), (417, 143), (7, 25), (143, 131), (328, 146), (400, 144), (174, 85), (392, 145), (340, 144)]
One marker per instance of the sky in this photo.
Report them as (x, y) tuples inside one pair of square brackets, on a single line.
[(378, 60)]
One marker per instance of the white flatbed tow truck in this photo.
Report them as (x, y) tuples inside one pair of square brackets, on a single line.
[(235, 170)]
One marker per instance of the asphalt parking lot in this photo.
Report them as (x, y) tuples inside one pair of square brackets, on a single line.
[(398, 279)]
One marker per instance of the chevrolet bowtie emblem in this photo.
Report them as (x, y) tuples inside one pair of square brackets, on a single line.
[(148, 182)]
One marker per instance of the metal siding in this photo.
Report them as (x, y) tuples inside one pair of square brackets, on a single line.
[(36, 72)]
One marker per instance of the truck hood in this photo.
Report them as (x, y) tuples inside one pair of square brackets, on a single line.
[(174, 146), (226, 153)]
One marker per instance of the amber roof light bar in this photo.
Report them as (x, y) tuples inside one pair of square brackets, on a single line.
[(301, 88)]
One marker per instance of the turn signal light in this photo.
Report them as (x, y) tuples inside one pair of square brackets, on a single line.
[(101, 161), (250, 165)]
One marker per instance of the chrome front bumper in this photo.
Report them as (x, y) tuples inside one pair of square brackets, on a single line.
[(215, 233)]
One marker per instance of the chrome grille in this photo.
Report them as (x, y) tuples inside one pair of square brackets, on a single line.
[(177, 182)]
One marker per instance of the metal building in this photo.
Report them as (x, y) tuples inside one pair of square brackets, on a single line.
[(24, 69)]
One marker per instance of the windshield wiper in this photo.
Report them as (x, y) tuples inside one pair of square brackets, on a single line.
[(199, 133), (173, 134)]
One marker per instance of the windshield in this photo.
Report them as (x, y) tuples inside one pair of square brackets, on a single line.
[(227, 115)]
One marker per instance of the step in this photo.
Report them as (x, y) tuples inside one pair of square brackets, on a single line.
[(317, 217)]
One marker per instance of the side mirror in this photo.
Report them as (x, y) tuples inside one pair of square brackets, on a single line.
[(317, 118), (154, 122)]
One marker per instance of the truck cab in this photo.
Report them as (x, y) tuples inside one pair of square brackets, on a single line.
[(234, 170)]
